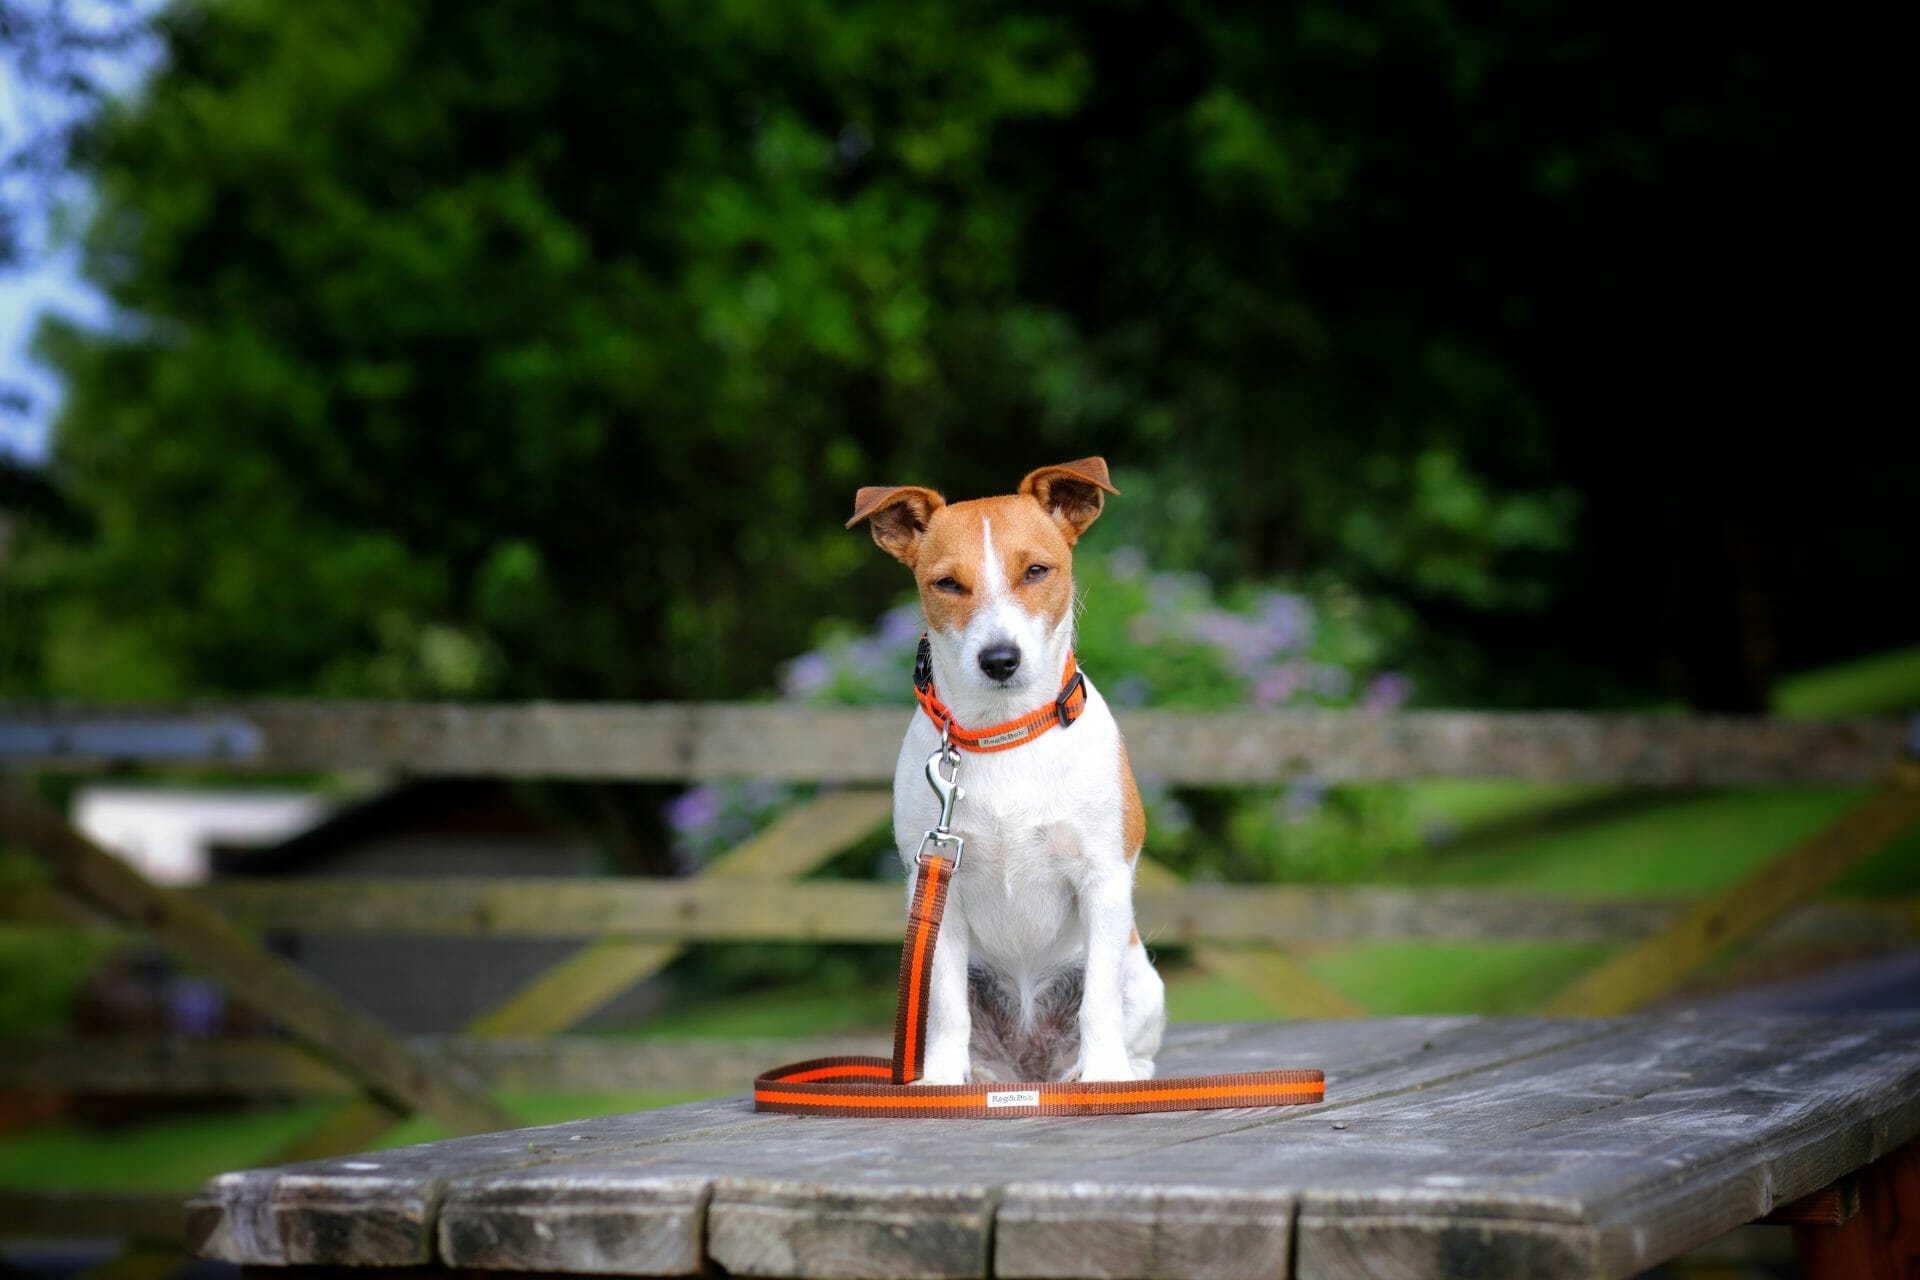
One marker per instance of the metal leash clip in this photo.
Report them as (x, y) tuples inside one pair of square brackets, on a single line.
[(947, 787)]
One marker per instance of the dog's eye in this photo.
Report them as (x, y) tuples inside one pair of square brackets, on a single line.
[(947, 585), (1035, 572)]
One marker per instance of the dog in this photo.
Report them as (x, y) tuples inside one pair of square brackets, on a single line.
[(1039, 973)]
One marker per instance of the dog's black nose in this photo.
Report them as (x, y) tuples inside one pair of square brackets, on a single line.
[(1000, 661)]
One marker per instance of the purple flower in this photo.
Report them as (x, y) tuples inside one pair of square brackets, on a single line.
[(694, 810), (1276, 685), (901, 625), (1132, 691), (805, 675), (1287, 618), (1237, 639), (198, 1006), (870, 658), (1388, 691)]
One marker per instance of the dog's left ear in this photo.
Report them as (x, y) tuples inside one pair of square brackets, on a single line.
[(1070, 492), (899, 513)]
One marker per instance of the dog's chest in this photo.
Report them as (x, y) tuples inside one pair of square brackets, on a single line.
[(1039, 824), (1019, 882)]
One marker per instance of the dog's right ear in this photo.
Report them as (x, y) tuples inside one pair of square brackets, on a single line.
[(899, 514)]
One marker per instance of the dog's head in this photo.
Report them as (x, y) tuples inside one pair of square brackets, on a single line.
[(995, 574)]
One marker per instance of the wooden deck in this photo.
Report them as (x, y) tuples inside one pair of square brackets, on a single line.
[(1446, 1146)]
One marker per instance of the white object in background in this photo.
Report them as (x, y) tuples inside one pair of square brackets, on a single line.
[(167, 833)]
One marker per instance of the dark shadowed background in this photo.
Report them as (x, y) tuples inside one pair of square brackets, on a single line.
[(506, 350)]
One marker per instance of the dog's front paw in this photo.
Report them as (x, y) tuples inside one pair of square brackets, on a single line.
[(944, 1071), (1096, 1067)]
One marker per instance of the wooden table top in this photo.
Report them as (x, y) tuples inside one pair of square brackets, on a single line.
[(1446, 1146)]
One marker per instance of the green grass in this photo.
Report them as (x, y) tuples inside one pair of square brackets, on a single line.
[(1685, 845), (177, 1153), (1463, 808), (1881, 684), (782, 1012), (1679, 844)]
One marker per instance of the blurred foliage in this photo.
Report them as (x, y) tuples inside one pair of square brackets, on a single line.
[(42, 970), (473, 349)]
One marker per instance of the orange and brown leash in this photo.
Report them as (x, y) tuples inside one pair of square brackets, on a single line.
[(869, 1086)]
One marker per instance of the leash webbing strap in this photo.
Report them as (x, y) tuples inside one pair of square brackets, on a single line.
[(866, 1086)]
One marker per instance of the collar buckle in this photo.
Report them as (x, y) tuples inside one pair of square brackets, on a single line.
[(923, 666), (1065, 714)]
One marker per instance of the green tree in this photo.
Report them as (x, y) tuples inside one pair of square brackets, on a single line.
[(479, 348)]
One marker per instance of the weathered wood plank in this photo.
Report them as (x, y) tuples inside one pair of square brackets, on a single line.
[(512, 1225), (321, 1020), (1084, 1229), (258, 1216), (794, 1227), (1337, 1245), (1848, 1098), (1651, 968), (1674, 1139), (1410, 1174), (668, 742), (1461, 1146), (241, 1219), (766, 1216)]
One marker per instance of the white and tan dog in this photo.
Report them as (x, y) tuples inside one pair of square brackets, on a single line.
[(1039, 973)]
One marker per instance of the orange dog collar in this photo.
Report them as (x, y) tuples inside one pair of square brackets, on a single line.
[(1060, 713)]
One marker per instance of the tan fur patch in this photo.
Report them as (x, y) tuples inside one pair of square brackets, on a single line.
[(1133, 819), (953, 547)]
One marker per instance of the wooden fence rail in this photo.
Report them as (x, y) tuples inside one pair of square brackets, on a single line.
[(685, 911), (673, 743), (629, 929)]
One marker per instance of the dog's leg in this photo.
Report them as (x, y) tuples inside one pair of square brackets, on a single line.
[(949, 1020), (1108, 906), (1144, 998)]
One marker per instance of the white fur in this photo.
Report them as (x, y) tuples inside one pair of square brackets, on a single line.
[(1045, 882)]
